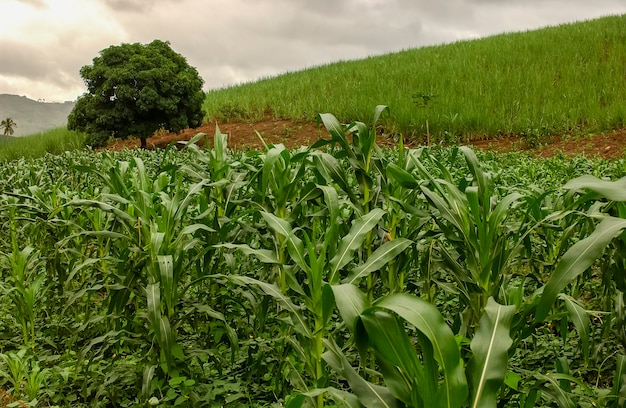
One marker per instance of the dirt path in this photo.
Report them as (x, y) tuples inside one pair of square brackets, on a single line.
[(242, 135)]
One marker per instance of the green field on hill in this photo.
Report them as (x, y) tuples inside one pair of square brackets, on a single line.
[(563, 79), (343, 274), (567, 79)]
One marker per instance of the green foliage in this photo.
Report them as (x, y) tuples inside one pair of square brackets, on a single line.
[(339, 274), (54, 141), (135, 89)]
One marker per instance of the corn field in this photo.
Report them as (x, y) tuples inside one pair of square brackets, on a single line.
[(339, 274)]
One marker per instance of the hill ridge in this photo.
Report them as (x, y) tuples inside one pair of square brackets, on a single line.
[(33, 116)]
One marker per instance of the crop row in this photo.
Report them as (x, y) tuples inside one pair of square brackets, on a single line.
[(333, 275)]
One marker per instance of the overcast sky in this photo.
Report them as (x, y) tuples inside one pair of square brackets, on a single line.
[(43, 43)]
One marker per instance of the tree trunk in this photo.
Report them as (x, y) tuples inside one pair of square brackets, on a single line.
[(143, 142)]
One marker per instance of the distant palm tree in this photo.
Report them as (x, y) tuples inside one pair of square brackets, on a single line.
[(8, 124)]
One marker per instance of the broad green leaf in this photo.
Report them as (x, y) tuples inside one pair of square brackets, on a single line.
[(353, 241), (276, 224), (427, 319), (191, 229), (379, 258), (576, 260), (379, 110), (295, 247), (401, 176), (618, 391), (475, 169), (153, 297), (332, 170), (166, 271), (562, 367), (219, 144), (166, 338), (195, 139), (105, 207), (388, 337), (331, 199), (364, 139), (294, 244), (148, 373), (191, 193), (611, 190), (336, 130), (554, 390), (351, 302), (502, 209), (370, 395), (272, 159), (263, 255), (579, 316), (328, 303), (455, 211), (490, 345)]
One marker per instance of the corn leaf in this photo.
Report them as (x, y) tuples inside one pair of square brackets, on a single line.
[(336, 130), (294, 244), (351, 302), (378, 259), (611, 190), (153, 297), (490, 345), (370, 395), (332, 171), (263, 255), (427, 319), (579, 316), (353, 241), (401, 176), (166, 270), (576, 260), (406, 374), (618, 391)]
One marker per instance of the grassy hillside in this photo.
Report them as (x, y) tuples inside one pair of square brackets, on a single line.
[(52, 141), (558, 79), (33, 116)]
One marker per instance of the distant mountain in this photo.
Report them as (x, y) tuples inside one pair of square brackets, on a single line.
[(32, 116)]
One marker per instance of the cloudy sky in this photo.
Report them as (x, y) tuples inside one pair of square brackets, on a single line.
[(43, 43)]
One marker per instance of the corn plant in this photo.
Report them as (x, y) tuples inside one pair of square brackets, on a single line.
[(153, 251), (315, 256), (24, 374), (360, 154), (478, 245), (25, 287), (436, 375), (281, 191)]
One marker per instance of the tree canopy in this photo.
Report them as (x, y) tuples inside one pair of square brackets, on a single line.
[(135, 90)]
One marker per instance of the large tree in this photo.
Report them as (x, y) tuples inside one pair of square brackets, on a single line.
[(135, 90), (9, 126)]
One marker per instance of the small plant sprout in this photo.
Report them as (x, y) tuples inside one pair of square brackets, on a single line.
[(424, 101)]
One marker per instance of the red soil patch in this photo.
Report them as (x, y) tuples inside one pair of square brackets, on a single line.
[(606, 146), (243, 135)]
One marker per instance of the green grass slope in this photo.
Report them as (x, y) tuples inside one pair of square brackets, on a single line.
[(53, 141), (567, 78)]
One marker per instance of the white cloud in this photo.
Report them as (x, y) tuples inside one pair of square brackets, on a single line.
[(45, 42)]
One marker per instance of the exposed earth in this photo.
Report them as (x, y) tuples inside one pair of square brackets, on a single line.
[(242, 135)]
